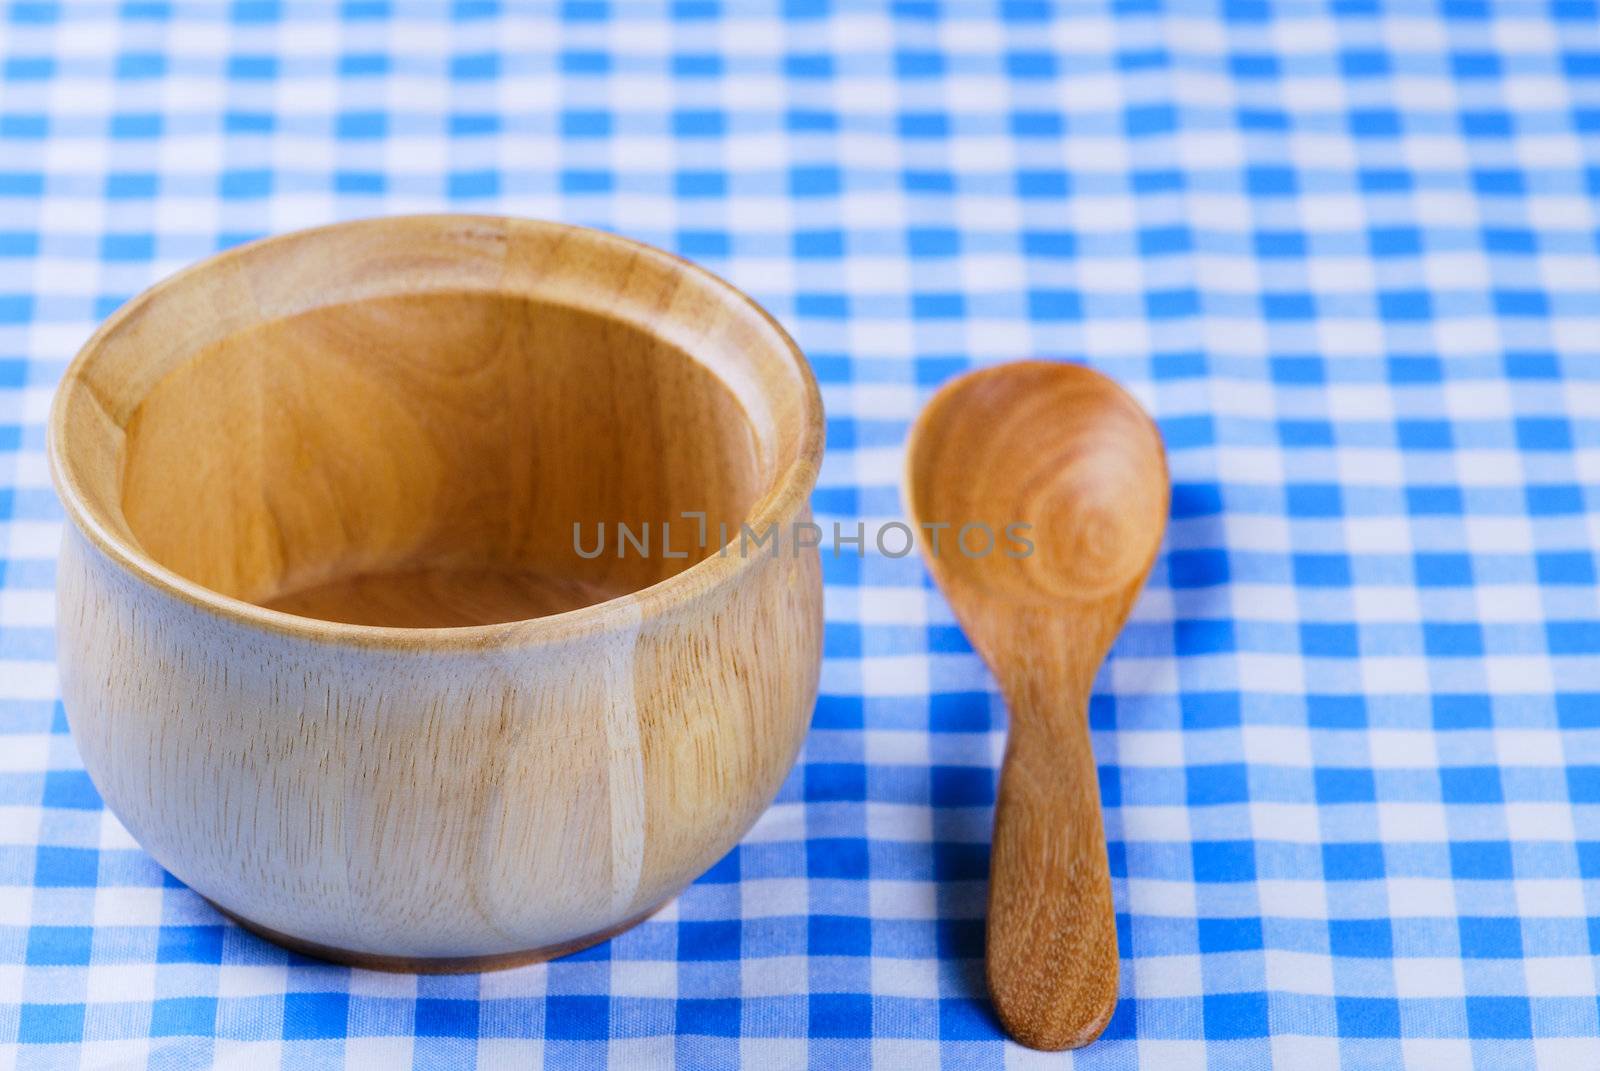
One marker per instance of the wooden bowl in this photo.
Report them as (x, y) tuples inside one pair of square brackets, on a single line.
[(327, 642)]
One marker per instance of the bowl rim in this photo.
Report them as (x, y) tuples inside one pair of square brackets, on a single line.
[(786, 496)]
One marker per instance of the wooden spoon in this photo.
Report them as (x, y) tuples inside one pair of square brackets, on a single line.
[(1068, 453)]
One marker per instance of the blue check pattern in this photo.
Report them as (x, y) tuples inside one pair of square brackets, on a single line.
[(1346, 252)]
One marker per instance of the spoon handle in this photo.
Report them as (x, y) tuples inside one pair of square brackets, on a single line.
[(1052, 937)]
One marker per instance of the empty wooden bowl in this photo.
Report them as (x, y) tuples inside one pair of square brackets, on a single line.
[(329, 642)]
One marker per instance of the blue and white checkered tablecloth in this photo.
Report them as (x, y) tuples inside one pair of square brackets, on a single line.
[(1345, 252)]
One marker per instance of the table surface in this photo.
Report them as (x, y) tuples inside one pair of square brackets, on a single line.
[(1346, 254)]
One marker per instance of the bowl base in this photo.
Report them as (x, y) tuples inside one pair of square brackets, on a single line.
[(432, 964)]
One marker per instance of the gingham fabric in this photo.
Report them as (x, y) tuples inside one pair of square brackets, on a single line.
[(1346, 253)]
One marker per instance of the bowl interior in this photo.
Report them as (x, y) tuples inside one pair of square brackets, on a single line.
[(428, 456), (422, 461)]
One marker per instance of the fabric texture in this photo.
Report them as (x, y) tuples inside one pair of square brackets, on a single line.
[(1346, 253)]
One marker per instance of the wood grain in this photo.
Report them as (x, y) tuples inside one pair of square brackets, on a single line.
[(1066, 452), (324, 641), (443, 596)]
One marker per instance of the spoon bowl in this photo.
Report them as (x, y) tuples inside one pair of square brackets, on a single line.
[(1056, 447), (1068, 468)]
